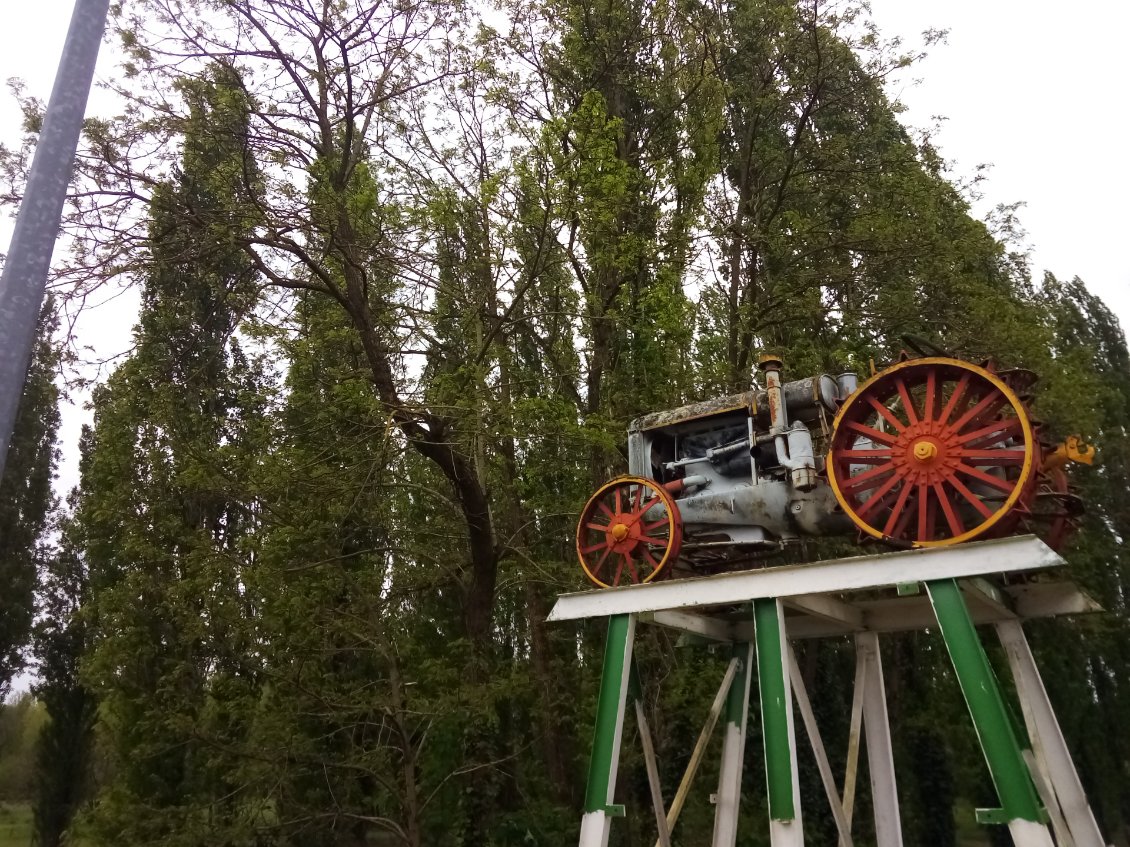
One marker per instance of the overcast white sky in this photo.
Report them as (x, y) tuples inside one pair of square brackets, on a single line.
[(1037, 90)]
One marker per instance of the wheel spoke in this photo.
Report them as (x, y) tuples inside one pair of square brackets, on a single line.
[(907, 402), (865, 457), (896, 512), (955, 398), (956, 526), (648, 527), (656, 542), (986, 406), (871, 432), (907, 514), (886, 413), (994, 457), (592, 549), (648, 505), (599, 527), (973, 499), (599, 566), (619, 569), (632, 567), (987, 478), (651, 559), (931, 390), (607, 511), (927, 513), (996, 431), (877, 497), (619, 505), (868, 479)]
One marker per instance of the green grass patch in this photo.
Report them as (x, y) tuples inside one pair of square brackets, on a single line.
[(15, 825)]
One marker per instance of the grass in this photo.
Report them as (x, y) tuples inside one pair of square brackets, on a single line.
[(15, 825)]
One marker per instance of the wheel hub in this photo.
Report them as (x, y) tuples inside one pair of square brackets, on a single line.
[(925, 452)]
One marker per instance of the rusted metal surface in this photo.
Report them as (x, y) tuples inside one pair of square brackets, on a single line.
[(695, 411)]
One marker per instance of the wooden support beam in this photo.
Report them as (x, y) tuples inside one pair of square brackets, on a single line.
[(843, 825), (851, 769), (1051, 599), (652, 767), (980, 592), (877, 732), (702, 626), (700, 748), (828, 609), (902, 614)]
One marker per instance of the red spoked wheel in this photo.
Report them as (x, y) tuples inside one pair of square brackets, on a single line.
[(932, 452), (629, 532)]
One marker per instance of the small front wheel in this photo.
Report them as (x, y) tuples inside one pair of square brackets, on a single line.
[(629, 533)]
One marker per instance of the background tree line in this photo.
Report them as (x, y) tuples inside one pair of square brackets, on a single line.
[(407, 270)]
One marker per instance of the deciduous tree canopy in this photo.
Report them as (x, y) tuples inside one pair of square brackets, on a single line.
[(407, 271)]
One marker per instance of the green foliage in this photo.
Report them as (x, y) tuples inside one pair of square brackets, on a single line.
[(26, 500), (162, 512), (403, 291), (64, 747), (20, 723)]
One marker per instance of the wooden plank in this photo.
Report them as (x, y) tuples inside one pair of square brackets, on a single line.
[(1047, 738), (901, 614), (700, 747), (851, 769), (827, 608), (714, 629), (861, 572), (843, 825), (1051, 599), (979, 591), (877, 732), (653, 777)]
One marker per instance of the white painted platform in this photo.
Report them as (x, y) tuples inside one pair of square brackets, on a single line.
[(1023, 553)]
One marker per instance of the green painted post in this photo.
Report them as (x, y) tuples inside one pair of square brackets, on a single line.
[(775, 705), (737, 699), (729, 795), (606, 735), (982, 695)]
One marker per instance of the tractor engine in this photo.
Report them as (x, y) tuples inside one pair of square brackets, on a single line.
[(928, 452)]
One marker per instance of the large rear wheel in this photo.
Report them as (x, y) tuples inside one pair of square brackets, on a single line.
[(932, 452)]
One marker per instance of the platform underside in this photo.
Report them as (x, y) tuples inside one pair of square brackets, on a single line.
[(1004, 579)]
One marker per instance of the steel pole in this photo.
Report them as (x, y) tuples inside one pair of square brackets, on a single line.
[(29, 256)]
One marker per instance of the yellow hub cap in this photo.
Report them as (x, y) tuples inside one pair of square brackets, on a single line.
[(925, 451), (619, 532)]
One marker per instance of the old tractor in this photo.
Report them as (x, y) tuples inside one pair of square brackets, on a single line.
[(928, 452)]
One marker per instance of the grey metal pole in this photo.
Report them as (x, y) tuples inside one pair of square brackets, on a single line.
[(37, 224)]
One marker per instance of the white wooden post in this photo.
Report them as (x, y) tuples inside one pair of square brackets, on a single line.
[(877, 732), (728, 798), (1047, 739)]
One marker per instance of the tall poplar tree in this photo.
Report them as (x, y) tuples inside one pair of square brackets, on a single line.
[(163, 514), (65, 747), (26, 500)]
